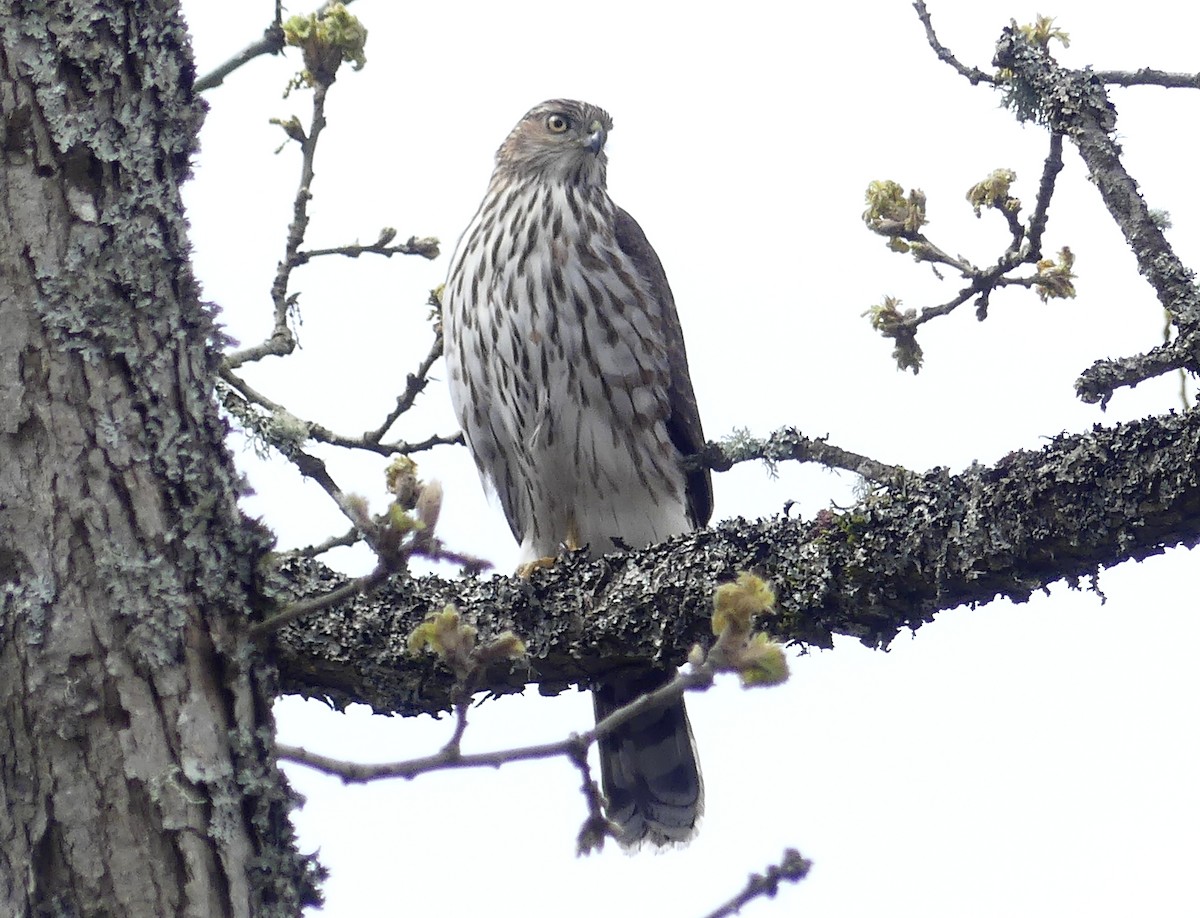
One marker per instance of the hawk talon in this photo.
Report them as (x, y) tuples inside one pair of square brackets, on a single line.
[(526, 570), (565, 548)]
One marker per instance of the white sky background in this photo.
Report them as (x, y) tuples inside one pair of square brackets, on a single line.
[(1035, 759)]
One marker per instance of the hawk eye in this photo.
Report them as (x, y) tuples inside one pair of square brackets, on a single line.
[(557, 124)]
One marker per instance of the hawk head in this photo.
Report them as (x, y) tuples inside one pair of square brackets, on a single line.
[(560, 139)]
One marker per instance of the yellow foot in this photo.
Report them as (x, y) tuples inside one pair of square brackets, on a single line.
[(525, 571)]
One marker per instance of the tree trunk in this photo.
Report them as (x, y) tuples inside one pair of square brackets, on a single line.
[(136, 768)]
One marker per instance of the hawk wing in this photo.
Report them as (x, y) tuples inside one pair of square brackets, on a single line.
[(683, 422)]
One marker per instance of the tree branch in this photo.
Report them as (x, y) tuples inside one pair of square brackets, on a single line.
[(282, 341), (271, 43), (1074, 104), (450, 756), (426, 247), (1148, 76), (788, 443), (932, 542), (793, 868), (974, 74)]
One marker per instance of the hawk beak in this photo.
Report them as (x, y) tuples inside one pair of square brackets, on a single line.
[(595, 140)]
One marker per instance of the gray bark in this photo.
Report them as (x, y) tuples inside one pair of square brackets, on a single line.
[(136, 766)]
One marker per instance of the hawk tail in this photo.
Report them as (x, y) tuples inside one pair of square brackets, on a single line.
[(648, 766)]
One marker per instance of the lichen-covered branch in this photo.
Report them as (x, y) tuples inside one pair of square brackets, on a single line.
[(1074, 103), (932, 542), (787, 443)]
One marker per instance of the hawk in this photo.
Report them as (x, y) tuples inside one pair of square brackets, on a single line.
[(568, 374)]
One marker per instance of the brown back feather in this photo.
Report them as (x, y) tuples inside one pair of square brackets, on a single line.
[(683, 424)]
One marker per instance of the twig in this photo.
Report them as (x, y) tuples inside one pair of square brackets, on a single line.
[(282, 340), (792, 869), (308, 606), (450, 757), (1037, 222), (1101, 380), (1148, 76), (350, 537), (597, 827), (413, 387), (788, 443), (248, 392), (270, 43), (427, 247), (974, 74), (310, 430), (406, 449)]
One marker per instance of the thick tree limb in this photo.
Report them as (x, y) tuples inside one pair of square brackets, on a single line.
[(937, 541)]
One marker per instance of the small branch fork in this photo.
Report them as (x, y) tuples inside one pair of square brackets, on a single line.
[(901, 219), (272, 42), (396, 536), (1025, 248)]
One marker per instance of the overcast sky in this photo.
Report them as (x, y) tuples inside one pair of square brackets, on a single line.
[(1034, 760)]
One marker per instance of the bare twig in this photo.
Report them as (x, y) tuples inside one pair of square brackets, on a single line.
[(596, 827), (282, 340), (270, 43), (369, 441), (792, 869), (407, 449), (974, 74), (451, 757), (1037, 222), (1147, 76), (427, 247), (395, 447), (415, 386)]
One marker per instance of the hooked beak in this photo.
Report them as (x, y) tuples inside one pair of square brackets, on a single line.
[(595, 139)]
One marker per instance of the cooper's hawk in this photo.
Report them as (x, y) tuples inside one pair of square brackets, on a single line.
[(569, 376)]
